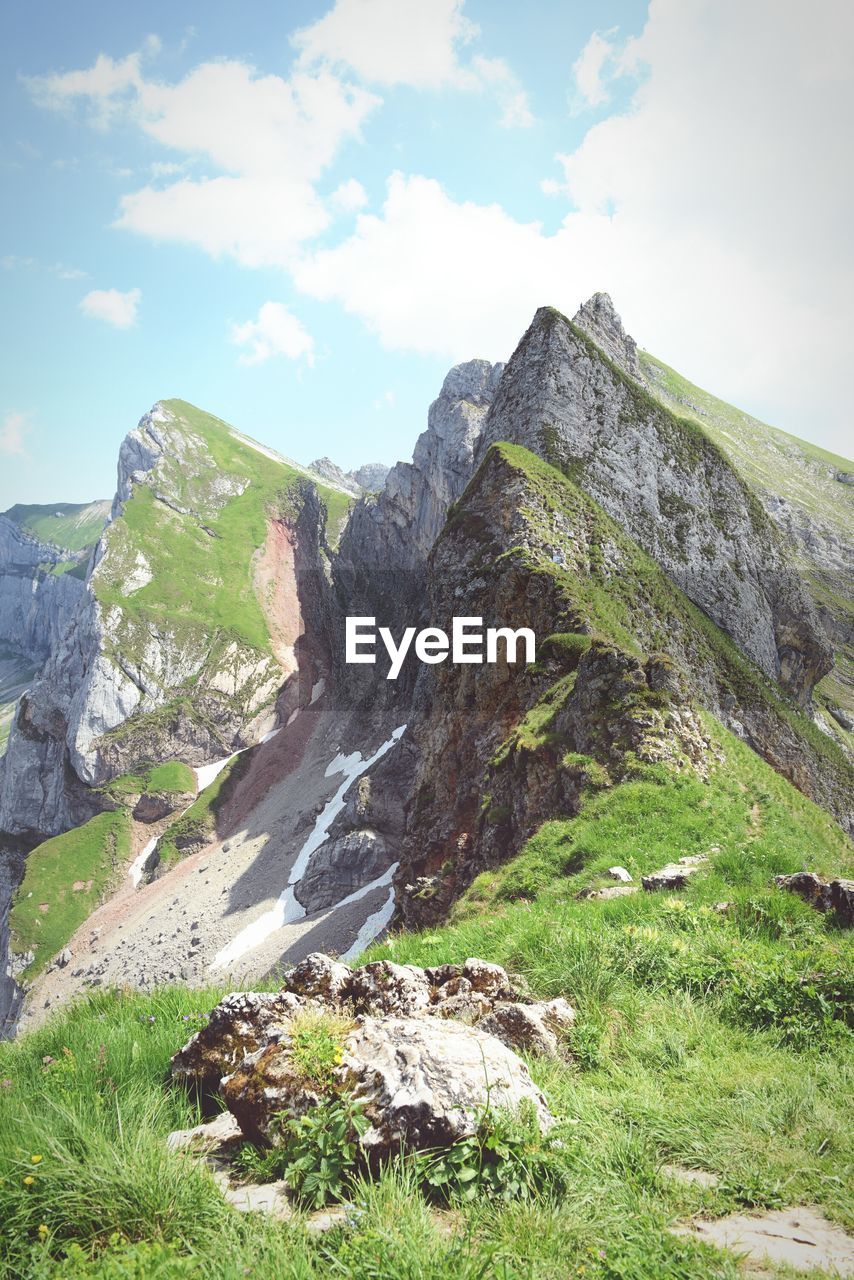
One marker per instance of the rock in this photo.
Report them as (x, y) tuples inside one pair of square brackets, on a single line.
[(520, 1026), (217, 1137), (842, 718), (152, 806), (260, 1197), (675, 875), (824, 895), (681, 500), (801, 1238), (241, 1024), (488, 979), (610, 891), (383, 987), (425, 1081), (64, 958), (319, 976), (619, 873)]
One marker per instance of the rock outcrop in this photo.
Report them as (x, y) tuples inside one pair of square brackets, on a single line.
[(426, 1052), (665, 483)]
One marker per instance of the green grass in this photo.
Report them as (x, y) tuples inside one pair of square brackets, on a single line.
[(198, 823), (91, 856), (768, 458), (202, 563), (671, 1064), (172, 777), (73, 526)]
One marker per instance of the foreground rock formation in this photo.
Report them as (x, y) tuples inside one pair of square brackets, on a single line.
[(423, 1051)]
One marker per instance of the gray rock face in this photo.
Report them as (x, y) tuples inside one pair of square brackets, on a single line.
[(35, 604), (397, 528), (371, 476), (599, 320), (666, 484)]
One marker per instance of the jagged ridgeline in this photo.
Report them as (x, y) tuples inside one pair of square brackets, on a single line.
[(687, 574)]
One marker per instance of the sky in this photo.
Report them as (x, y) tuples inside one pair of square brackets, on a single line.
[(299, 215)]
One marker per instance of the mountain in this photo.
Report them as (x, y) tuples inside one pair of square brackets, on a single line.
[(203, 786)]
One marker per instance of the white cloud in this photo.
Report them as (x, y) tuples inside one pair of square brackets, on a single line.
[(717, 220), (391, 42), (588, 71), (495, 74), (12, 431), (270, 138), (275, 332), (349, 196), (414, 43), (112, 306), (385, 401)]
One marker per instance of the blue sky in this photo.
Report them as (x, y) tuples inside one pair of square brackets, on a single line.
[(299, 215)]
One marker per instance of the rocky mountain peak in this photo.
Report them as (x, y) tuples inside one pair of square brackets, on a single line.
[(599, 319)]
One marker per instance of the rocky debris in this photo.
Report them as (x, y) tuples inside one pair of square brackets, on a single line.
[(319, 977), (620, 873), (801, 1238), (825, 895), (675, 875), (63, 959)]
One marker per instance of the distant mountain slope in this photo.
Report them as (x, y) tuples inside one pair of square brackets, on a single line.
[(75, 526), (809, 494), (187, 624)]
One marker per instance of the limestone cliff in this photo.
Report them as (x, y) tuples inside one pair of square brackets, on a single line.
[(665, 482)]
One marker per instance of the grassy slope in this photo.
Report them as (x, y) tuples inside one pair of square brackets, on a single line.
[(768, 458), (703, 1039), (198, 580), (776, 462), (610, 606), (171, 777), (91, 855), (75, 526)]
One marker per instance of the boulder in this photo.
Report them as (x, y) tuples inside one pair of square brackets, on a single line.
[(320, 977), (675, 875), (825, 895), (154, 805), (426, 1082), (619, 873), (242, 1023), (383, 987)]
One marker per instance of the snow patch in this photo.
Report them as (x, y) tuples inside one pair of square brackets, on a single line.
[(138, 865), (378, 920), (287, 909)]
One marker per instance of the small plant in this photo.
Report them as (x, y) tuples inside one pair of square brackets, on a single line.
[(319, 1152), (506, 1158), (317, 1046)]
